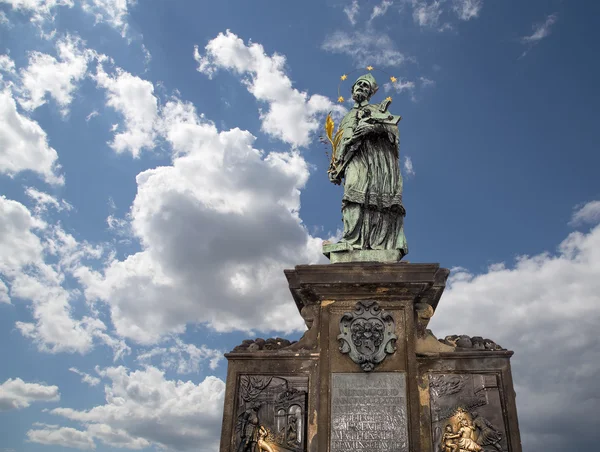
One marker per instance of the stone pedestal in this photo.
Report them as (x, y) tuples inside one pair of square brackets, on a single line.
[(368, 375)]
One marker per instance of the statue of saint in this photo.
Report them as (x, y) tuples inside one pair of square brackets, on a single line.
[(366, 162), (249, 424)]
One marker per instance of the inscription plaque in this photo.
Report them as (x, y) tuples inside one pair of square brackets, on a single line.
[(368, 412)]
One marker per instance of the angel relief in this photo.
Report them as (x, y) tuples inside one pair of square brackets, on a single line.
[(469, 432)]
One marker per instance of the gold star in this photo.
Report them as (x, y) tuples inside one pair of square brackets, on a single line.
[(389, 99), (393, 79), (340, 99), (369, 68), (344, 77)]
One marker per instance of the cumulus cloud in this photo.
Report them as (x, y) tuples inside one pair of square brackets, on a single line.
[(61, 436), (545, 308), (40, 10), (133, 98), (220, 223), (43, 201), (291, 115), (365, 47), (181, 357), (57, 78), (85, 377), (351, 11), (112, 12), (24, 144), (143, 408), (26, 245), (16, 394)]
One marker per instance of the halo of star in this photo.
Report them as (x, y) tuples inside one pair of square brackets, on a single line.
[(369, 68)]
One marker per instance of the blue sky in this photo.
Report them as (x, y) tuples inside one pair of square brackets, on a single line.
[(160, 166)]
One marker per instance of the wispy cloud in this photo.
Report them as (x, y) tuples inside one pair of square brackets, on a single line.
[(588, 213), (427, 15), (352, 11), (93, 114), (381, 9), (540, 31), (408, 166), (368, 47), (467, 9)]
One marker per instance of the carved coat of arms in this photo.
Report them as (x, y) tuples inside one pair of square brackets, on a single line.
[(367, 334)]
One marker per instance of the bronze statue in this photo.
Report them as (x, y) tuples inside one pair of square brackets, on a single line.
[(249, 429), (365, 160), (488, 435)]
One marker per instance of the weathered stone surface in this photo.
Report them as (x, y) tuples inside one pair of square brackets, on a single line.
[(463, 342), (259, 344), (367, 334), (410, 294), (369, 412)]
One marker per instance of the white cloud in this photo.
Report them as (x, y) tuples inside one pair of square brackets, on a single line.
[(86, 378), (45, 75), (427, 15), (181, 357), (201, 223), (588, 213), (351, 11), (44, 200), (61, 436), (92, 114), (24, 144), (16, 394), (467, 9), (540, 30), (381, 9), (134, 98), (545, 308), (292, 114), (4, 296), (426, 81), (25, 243), (113, 12), (408, 166), (40, 10), (143, 408), (400, 85), (4, 19), (368, 47)]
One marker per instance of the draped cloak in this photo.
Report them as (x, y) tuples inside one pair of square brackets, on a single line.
[(372, 209)]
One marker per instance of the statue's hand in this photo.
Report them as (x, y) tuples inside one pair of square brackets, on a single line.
[(334, 177), (362, 129)]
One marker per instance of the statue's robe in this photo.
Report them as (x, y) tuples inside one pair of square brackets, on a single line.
[(372, 208)]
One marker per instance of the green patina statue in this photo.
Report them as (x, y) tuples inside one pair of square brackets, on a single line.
[(365, 161)]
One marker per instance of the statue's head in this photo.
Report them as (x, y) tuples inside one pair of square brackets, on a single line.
[(364, 87)]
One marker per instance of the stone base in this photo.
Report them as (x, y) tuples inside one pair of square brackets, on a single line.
[(403, 402), (343, 252)]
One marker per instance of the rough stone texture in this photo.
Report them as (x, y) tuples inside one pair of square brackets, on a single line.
[(410, 294), (258, 344)]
